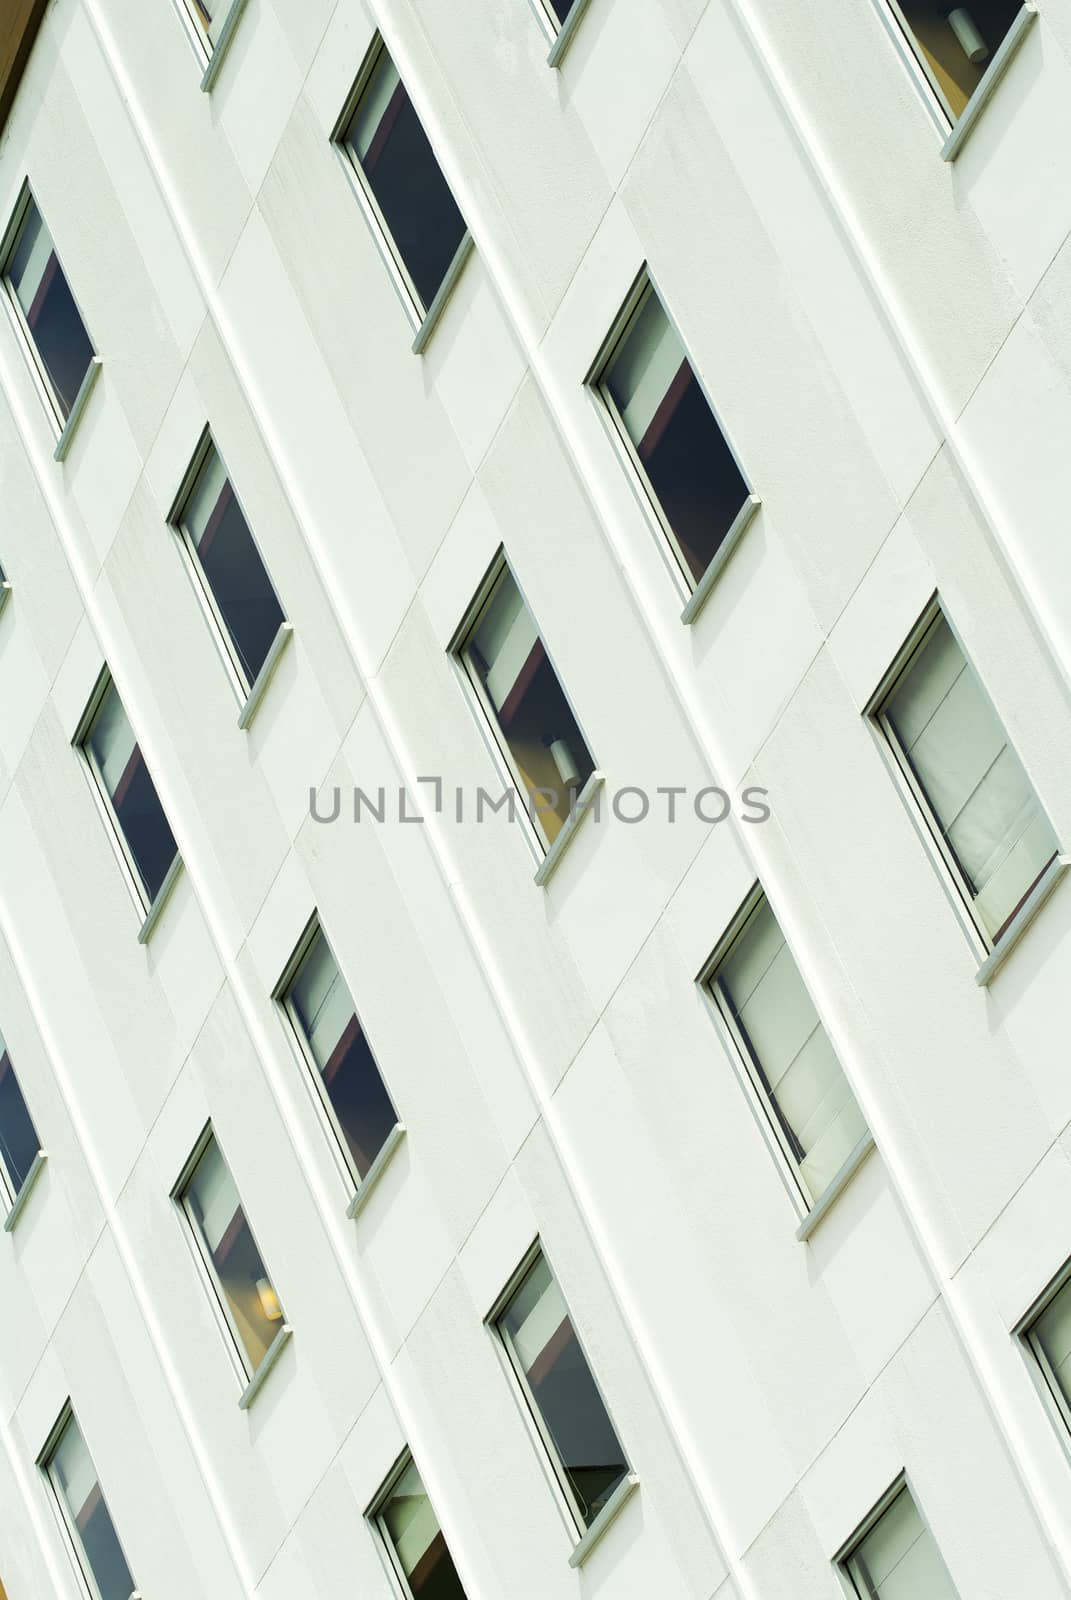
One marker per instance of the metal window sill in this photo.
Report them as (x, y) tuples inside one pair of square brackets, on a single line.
[(993, 74), (152, 916), (271, 1357), (376, 1170), (550, 862), (703, 588), (1022, 919), (836, 1187), (263, 677), (221, 46), (81, 400), (442, 295), (608, 1515), (24, 1192), (564, 37)]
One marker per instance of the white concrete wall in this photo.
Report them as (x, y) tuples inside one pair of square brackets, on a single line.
[(888, 341)]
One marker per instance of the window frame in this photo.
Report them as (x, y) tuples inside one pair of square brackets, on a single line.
[(988, 948), (694, 591), (547, 851), (585, 1534), (773, 1125), (901, 1484), (248, 691), (359, 1187), (72, 1538), (560, 34), (149, 908), (208, 54), (423, 317), (64, 426), (13, 1200), (953, 129), (374, 1517), (249, 1376), (1025, 1333)]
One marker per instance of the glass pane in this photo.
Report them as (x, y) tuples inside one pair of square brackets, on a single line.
[(48, 306), (790, 1050), (409, 1522), (327, 1017), (535, 719), (250, 1297), (538, 1325), (957, 43), (687, 460), (899, 1559), (231, 564), (980, 795), (130, 789), (76, 1479), (210, 15), (392, 148), (1053, 1333), (19, 1143)]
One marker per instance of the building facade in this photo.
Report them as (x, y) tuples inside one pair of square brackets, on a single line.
[(535, 789)]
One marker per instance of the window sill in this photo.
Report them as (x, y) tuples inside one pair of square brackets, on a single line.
[(81, 400), (1022, 919), (152, 916), (24, 1192), (608, 1515), (993, 74), (376, 1170), (564, 36), (442, 295), (263, 677), (271, 1357), (835, 1188), (226, 34), (549, 864), (706, 583)]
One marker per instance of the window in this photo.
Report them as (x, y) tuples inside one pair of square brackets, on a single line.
[(321, 1010), (543, 1349), (84, 1510), (45, 309), (897, 1558), (212, 23), (775, 1030), (1048, 1337), (673, 438), (507, 663), (127, 792), (976, 799), (231, 576), (421, 225), (246, 1296), (406, 1521), (954, 44), (561, 17), (19, 1144)]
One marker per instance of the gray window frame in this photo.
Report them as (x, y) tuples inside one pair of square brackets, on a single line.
[(249, 1376), (694, 591)]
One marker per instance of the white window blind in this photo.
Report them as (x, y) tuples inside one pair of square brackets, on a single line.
[(797, 1069), (111, 739), (31, 259), (410, 1520), (649, 359), (374, 102), (899, 1559), (322, 1001), (214, 1196), (211, 481), (536, 1315), (505, 639), (74, 1467), (971, 777)]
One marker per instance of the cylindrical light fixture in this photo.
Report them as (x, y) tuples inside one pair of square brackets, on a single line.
[(269, 1300), (562, 756), (971, 42)]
